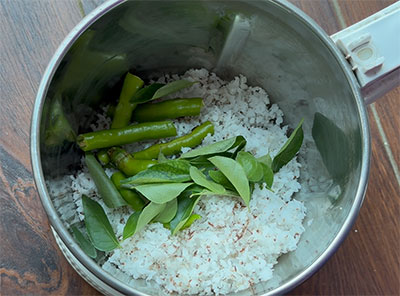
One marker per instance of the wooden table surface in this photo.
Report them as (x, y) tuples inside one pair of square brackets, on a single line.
[(368, 262)]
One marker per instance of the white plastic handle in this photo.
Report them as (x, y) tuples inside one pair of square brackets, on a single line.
[(372, 47)]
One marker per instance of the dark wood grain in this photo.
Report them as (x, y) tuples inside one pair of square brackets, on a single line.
[(368, 262), (89, 5), (385, 108), (31, 263), (322, 11)]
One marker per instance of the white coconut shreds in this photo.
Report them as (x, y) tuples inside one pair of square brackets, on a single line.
[(231, 247)]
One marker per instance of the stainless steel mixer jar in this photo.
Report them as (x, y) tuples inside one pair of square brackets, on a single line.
[(271, 42)]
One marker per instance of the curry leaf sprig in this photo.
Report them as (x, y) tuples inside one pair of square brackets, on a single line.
[(174, 187), (221, 168)]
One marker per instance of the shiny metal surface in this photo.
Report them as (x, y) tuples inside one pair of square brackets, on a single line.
[(280, 49)]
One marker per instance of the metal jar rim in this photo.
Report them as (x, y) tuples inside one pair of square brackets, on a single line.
[(65, 236)]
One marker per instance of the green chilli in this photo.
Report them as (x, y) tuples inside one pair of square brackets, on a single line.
[(174, 147), (132, 198), (103, 157), (126, 135), (125, 162), (123, 111), (106, 188), (169, 109)]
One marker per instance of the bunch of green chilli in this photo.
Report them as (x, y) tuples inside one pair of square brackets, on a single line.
[(157, 188)]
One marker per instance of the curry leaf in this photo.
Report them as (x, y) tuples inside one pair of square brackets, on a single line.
[(146, 93), (98, 227), (158, 90), (238, 148), (190, 221), (179, 165), (85, 244), (186, 205), (334, 146), (138, 220), (290, 149), (170, 171), (130, 225), (220, 178), (201, 162), (235, 174), (161, 158), (266, 163), (162, 192), (172, 87), (268, 177), (147, 214), (252, 168), (265, 159), (216, 148), (168, 213), (208, 192), (200, 179)]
